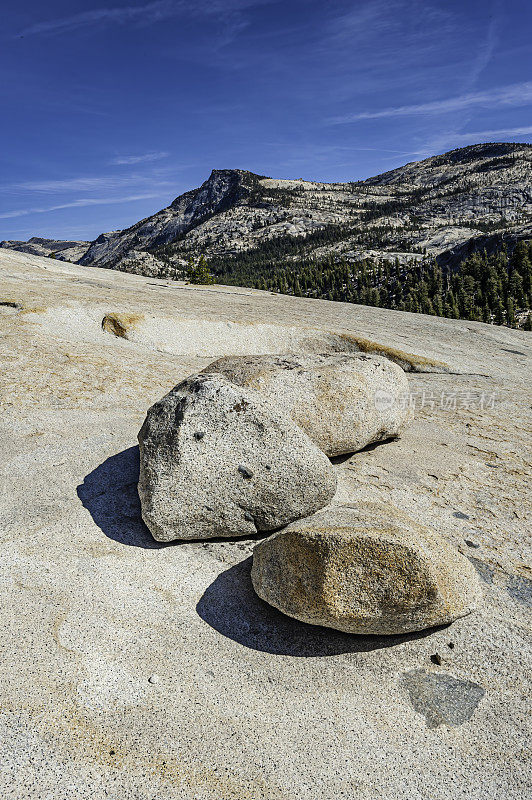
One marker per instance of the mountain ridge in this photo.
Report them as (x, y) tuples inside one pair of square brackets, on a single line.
[(445, 205), (63, 250)]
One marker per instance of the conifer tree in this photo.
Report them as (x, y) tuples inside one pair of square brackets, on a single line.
[(198, 272)]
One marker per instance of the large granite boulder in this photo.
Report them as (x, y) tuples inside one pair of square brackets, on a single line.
[(343, 401), (364, 569), (217, 460)]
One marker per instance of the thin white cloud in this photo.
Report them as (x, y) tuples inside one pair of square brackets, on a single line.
[(79, 184), (365, 22), (493, 134), (120, 160), (81, 203), (452, 139), (519, 94), (486, 48), (146, 14), (90, 184)]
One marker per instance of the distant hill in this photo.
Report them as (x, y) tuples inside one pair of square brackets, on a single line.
[(446, 206), (62, 250), (433, 236)]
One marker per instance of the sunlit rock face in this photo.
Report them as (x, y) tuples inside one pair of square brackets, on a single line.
[(217, 460), (365, 568), (475, 197), (342, 401)]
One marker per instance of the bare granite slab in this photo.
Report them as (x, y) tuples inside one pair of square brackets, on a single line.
[(134, 670)]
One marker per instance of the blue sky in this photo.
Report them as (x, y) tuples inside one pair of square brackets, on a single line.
[(111, 109)]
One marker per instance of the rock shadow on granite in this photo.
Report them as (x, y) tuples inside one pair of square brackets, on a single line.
[(346, 457), (231, 607), (110, 495)]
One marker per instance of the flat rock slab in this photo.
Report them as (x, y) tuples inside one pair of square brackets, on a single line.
[(217, 460), (251, 704), (342, 401), (364, 569)]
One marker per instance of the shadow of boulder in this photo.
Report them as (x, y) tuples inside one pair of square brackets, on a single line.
[(110, 494), (230, 606)]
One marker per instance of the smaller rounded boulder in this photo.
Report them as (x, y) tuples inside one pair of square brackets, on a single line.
[(365, 569)]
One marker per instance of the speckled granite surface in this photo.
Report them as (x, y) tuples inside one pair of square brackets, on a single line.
[(248, 703)]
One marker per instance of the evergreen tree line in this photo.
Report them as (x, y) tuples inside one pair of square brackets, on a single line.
[(494, 288), (248, 262)]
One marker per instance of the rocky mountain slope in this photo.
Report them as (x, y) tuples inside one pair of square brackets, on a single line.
[(60, 249), (133, 669), (446, 205)]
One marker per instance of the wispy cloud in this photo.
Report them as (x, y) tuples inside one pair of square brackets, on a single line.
[(486, 49), (80, 203), (45, 196), (355, 23), (333, 156), (452, 139), (483, 55), (78, 184), (519, 94), (368, 21), (90, 184), (119, 160), (493, 134), (386, 31), (147, 14)]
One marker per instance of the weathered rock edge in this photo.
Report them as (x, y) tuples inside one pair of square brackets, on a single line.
[(216, 460), (366, 569), (343, 401)]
